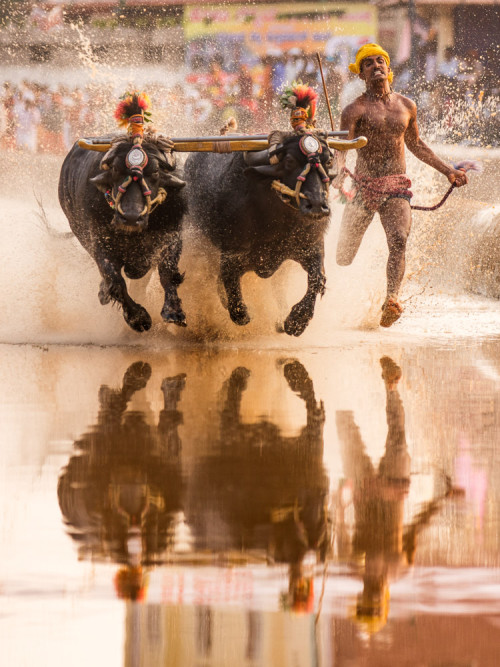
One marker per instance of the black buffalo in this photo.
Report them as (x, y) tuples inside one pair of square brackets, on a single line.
[(259, 215), (127, 215)]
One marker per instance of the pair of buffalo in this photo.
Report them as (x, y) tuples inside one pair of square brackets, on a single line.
[(256, 213)]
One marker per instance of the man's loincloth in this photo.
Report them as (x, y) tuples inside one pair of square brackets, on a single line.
[(373, 192)]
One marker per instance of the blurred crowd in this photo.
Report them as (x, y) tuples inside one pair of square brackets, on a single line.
[(458, 100)]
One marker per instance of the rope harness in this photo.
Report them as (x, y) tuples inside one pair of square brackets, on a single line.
[(374, 196), (135, 161), (312, 149)]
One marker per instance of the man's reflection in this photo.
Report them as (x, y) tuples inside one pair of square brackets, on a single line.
[(380, 543), (120, 492), (378, 498), (260, 490)]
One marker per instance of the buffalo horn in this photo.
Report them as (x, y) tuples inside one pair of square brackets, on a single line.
[(257, 158), (172, 181), (91, 146), (101, 181), (267, 170)]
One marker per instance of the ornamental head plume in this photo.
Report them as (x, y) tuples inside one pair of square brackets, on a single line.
[(302, 101), (133, 111)]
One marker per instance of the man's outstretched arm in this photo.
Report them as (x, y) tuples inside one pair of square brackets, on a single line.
[(420, 149)]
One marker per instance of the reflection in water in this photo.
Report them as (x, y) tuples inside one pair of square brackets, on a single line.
[(380, 545), (121, 492), (258, 493), (201, 495), (378, 498), (268, 492)]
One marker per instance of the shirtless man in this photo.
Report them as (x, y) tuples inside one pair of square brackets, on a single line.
[(389, 121)]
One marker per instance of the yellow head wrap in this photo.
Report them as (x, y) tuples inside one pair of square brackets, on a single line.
[(370, 50)]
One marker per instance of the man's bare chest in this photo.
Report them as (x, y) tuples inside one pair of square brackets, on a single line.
[(379, 119)]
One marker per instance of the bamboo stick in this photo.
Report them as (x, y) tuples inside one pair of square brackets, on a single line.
[(218, 147), (325, 90), (229, 145)]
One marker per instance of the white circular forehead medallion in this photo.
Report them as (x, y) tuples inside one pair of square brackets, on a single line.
[(135, 157), (311, 144)]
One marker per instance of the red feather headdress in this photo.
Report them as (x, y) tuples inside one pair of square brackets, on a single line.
[(133, 111), (302, 100)]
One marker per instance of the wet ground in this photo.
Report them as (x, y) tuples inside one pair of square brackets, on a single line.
[(227, 507), (217, 496)]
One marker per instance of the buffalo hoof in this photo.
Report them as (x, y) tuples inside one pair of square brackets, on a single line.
[(174, 384), (298, 319), (136, 376), (296, 376), (104, 293), (138, 319), (295, 327), (239, 378), (240, 315), (174, 317)]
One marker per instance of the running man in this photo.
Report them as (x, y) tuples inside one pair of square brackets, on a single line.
[(389, 121)]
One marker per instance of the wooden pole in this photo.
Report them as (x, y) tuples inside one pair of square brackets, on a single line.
[(325, 90), (255, 145), (231, 144)]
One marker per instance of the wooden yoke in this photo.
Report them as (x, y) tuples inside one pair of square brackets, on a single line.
[(232, 143)]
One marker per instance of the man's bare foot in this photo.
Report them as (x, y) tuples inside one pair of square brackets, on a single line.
[(391, 311)]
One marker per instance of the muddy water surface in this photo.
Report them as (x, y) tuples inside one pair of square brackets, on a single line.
[(250, 506)]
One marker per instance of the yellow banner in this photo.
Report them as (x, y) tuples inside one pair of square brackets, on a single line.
[(262, 27)]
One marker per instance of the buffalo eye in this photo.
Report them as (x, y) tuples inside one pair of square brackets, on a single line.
[(290, 163)]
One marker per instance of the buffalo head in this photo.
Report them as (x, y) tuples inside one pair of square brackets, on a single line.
[(135, 179), (301, 177)]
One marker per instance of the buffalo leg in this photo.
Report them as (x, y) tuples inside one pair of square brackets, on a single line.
[(301, 314), (170, 278), (231, 272), (112, 402), (231, 417), (300, 383), (113, 287), (104, 292), (171, 417)]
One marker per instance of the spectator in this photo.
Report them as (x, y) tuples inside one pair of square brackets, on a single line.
[(28, 120)]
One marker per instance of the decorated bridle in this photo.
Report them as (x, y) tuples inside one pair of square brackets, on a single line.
[(311, 147), (132, 113), (136, 160), (301, 100)]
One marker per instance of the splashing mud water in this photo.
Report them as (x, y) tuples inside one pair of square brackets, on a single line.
[(50, 283)]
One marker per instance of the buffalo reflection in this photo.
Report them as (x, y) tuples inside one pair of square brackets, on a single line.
[(259, 493), (121, 492), (380, 544), (268, 491)]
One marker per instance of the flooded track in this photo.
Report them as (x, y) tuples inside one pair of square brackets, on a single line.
[(233, 496)]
